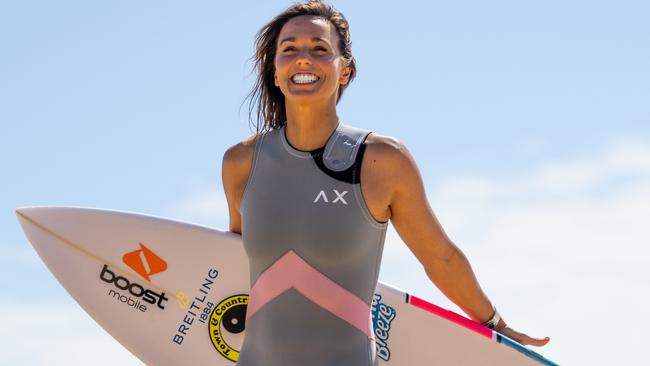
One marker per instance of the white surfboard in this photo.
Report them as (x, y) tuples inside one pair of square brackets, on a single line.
[(175, 293)]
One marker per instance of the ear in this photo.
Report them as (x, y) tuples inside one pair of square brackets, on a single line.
[(275, 79), (345, 76)]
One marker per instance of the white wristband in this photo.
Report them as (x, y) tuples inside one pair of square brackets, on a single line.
[(492, 323)]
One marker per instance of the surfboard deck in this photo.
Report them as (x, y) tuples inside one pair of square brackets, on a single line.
[(173, 293)]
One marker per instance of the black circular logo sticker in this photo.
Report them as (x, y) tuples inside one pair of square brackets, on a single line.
[(229, 316)]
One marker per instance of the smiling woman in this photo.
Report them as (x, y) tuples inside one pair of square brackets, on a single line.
[(284, 39), (312, 196)]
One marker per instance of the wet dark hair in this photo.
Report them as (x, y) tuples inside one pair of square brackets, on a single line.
[(268, 98)]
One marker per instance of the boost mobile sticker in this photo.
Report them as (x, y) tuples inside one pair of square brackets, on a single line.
[(228, 317)]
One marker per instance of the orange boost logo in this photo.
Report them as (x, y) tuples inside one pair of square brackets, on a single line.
[(145, 262)]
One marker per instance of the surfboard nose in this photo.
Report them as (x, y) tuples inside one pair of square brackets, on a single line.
[(25, 211), (32, 212), (39, 214)]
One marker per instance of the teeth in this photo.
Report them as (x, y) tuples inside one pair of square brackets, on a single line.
[(304, 78)]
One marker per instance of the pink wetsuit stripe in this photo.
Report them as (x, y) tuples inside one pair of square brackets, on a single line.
[(292, 271), (450, 315)]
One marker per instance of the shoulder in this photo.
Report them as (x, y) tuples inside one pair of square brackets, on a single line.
[(388, 159), (386, 150), (382, 143), (241, 150), (237, 161)]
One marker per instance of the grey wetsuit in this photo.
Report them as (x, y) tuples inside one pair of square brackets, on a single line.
[(314, 252)]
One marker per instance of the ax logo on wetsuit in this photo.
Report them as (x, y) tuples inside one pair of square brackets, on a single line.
[(339, 197)]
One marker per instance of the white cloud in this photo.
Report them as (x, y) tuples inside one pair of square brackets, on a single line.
[(562, 251), (57, 335)]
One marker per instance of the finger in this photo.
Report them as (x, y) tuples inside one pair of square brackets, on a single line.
[(525, 339), (539, 342)]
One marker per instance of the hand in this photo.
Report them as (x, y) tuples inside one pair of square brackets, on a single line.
[(522, 338)]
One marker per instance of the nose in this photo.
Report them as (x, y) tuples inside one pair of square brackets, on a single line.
[(303, 58)]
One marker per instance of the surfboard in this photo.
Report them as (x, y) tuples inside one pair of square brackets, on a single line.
[(174, 293)]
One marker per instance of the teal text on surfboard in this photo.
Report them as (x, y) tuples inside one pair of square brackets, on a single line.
[(382, 316)]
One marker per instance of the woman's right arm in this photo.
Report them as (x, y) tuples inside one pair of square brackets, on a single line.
[(235, 168)]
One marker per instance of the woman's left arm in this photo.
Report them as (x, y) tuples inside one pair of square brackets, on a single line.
[(444, 263)]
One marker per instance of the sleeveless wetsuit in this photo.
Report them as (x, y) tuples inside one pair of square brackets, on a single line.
[(314, 252)]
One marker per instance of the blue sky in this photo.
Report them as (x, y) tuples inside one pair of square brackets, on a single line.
[(530, 124)]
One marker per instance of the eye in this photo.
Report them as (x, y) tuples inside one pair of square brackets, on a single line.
[(321, 48)]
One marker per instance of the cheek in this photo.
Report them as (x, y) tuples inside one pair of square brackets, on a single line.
[(283, 59), (278, 60)]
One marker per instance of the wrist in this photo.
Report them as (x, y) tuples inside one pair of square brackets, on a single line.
[(495, 321), (500, 326)]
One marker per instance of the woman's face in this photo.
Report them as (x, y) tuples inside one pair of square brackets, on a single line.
[(309, 45)]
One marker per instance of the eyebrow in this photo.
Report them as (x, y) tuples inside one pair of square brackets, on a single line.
[(294, 38)]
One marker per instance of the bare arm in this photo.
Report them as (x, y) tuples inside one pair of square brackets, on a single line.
[(444, 263), (235, 169)]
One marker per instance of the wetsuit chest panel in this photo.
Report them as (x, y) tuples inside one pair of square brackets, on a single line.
[(301, 218)]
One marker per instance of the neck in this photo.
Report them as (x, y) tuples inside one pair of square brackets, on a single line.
[(309, 126)]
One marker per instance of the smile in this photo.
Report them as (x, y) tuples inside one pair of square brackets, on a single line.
[(304, 79)]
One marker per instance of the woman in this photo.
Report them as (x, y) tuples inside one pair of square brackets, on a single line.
[(312, 197)]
